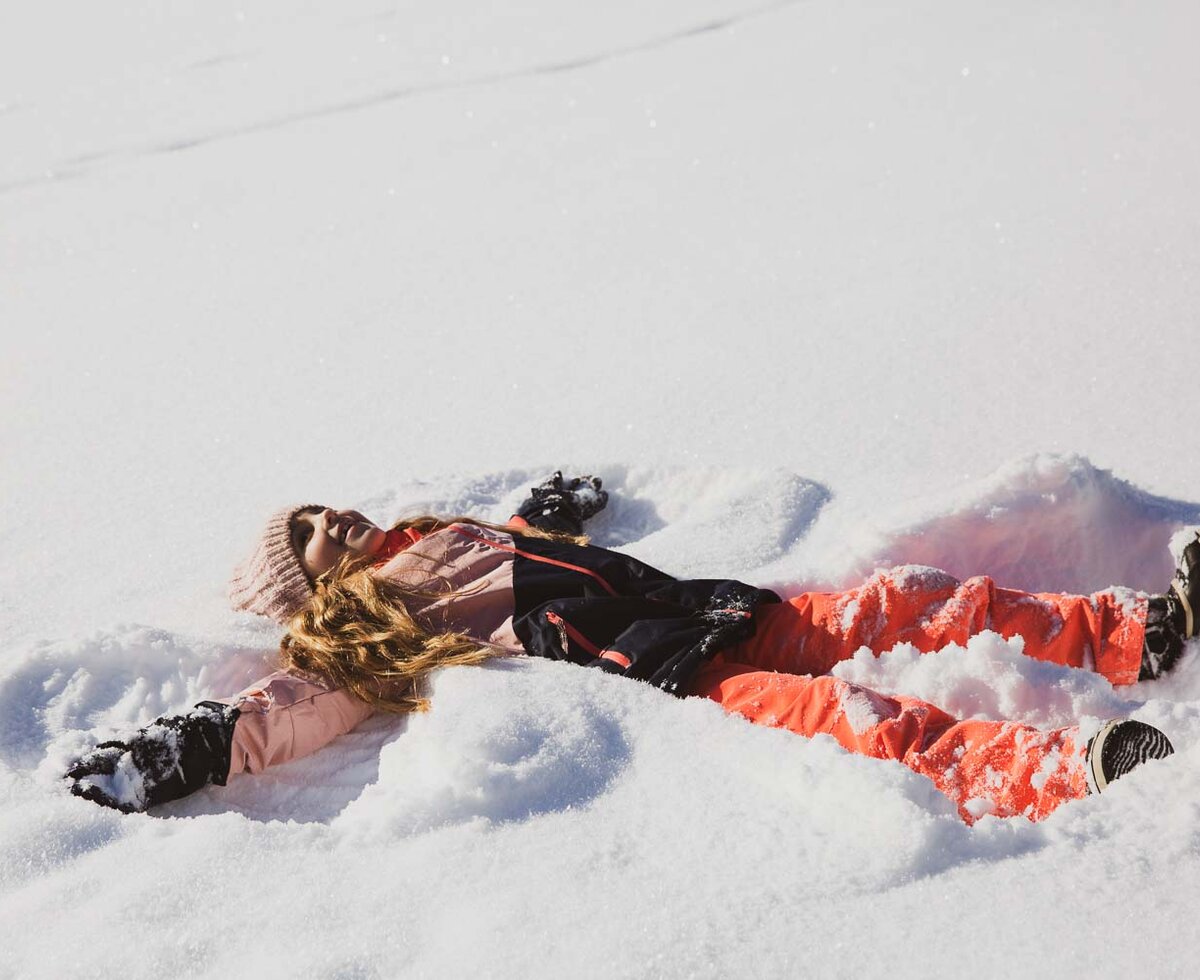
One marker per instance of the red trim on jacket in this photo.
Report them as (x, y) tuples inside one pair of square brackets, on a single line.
[(574, 634), (525, 554)]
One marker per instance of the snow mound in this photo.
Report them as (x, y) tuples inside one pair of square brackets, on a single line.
[(1043, 523), (497, 749), (992, 678)]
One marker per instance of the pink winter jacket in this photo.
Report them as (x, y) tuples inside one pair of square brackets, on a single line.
[(285, 716), (586, 605)]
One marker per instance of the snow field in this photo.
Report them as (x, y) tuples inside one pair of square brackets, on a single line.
[(582, 795)]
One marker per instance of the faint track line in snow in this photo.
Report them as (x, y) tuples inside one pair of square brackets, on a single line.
[(71, 167), (587, 61)]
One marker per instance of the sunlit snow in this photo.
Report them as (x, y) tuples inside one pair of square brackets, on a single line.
[(816, 288)]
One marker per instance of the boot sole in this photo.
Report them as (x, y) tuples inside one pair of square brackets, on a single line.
[(1121, 746)]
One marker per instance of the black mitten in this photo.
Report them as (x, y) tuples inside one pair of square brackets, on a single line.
[(165, 760), (563, 505)]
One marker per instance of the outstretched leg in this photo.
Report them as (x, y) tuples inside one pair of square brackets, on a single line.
[(984, 767), (930, 608)]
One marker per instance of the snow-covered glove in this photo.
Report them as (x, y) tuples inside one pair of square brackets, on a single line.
[(165, 760), (563, 505)]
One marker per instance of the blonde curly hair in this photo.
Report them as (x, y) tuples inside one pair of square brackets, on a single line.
[(356, 631)]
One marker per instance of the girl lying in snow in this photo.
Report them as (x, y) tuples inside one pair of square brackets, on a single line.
[(370, 613)]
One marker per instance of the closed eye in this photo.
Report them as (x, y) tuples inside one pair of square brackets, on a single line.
[(301, 536)]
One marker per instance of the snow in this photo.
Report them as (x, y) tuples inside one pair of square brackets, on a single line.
[(864, 709), (814, 288)]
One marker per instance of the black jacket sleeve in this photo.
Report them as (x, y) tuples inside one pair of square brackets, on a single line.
[(661, 637)]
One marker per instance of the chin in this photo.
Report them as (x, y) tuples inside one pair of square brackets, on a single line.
[(373, 541)]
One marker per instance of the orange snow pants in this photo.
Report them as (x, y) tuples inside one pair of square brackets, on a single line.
[(997, 767)]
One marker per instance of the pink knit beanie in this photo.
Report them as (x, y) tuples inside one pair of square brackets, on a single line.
[(272, 582)]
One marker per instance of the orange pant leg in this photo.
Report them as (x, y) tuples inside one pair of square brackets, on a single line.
[(930, 608), (982, 766)]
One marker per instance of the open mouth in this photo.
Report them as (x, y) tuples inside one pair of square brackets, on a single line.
[(347, 525)]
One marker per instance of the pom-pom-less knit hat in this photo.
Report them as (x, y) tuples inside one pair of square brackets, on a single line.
[(272, 582)]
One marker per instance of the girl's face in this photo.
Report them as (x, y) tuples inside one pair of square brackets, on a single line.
[(320, 537)]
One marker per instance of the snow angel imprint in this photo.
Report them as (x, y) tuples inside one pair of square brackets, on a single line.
[(370, 613)]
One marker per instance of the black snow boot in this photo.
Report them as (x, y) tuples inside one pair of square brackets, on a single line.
[(1162, 642), (1120, 746), (1174, 616), (1185, 587)]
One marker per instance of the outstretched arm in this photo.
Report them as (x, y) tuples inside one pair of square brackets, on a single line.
[(168, 759), (561, 504), (279, 718)]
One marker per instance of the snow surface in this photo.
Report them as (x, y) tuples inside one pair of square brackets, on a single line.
[(814, 287)]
